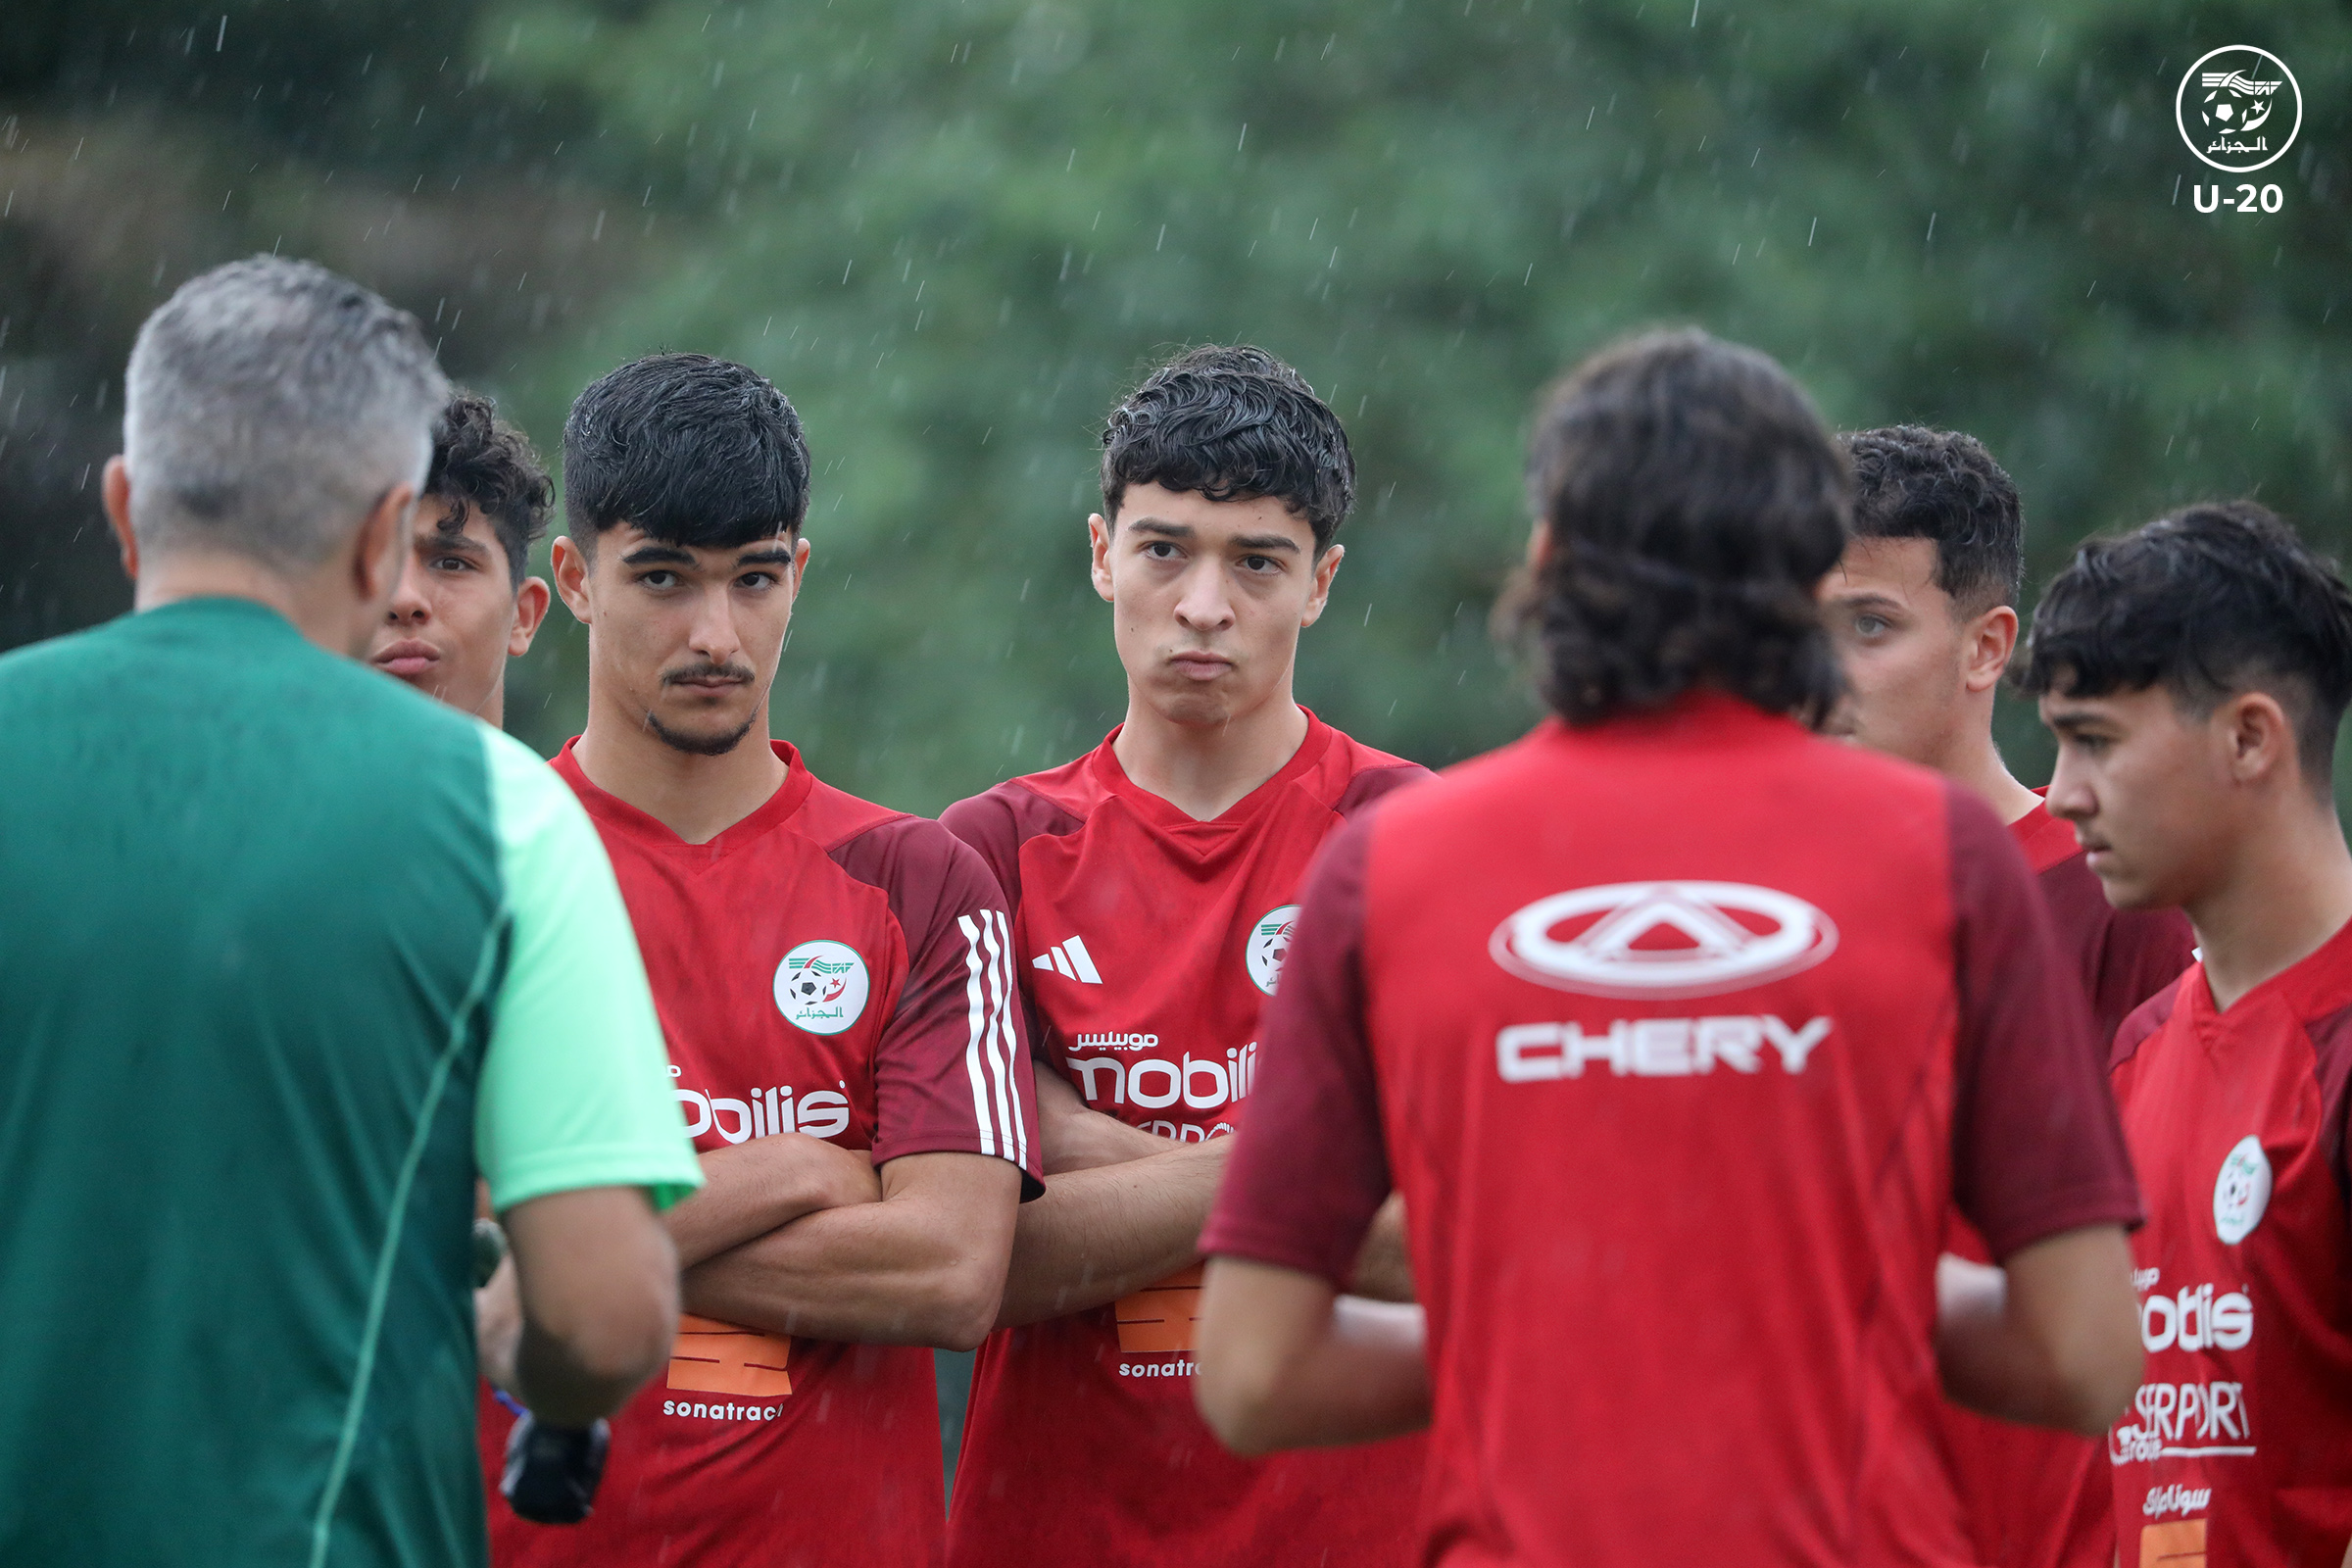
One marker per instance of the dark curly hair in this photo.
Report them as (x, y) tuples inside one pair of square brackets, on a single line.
[(697, 452), (1694, 502), (480, 460), (1911, 482), (2216, 599), (1232, 423)]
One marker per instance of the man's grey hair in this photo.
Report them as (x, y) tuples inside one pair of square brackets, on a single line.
[(268, 407)]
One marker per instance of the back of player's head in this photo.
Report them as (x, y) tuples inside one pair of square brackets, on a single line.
[(2217, 599), (695, 451), (268, 407), (1232, 423), (482, 460), (1693, 501), (1911, 482)]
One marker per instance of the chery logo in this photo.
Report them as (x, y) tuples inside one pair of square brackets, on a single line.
[(1663, 939)]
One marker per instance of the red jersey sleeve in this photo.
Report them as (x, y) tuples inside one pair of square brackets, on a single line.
[(2036, 1147), (1309, 1167), (952, 1072)]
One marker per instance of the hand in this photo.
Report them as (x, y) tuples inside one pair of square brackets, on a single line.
[(1384, 1270), (498, 1327), (753, 1188)]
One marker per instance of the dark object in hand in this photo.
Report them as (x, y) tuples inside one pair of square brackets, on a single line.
[(489, 1251), (552, 1475)]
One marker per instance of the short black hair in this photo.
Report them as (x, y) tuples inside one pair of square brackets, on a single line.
[(2214, 600), (482, 460), (697, 452), (1232, 422), (1911, 482), (1695, 502)]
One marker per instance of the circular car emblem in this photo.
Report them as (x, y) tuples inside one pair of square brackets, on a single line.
[(1269, 944), (1663, 939), (2242, 1191), (820, 987)]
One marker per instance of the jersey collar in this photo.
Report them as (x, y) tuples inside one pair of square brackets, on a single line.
[(2312, 987), (611, 812), (2047, 840), (1105, 766)]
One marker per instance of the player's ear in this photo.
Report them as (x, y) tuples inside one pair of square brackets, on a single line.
[(1538, 545), (1991, 639), (1098, 540), (114, 489), (531, 608), (801, 552), (569, 563), (2260, 740), (1327, 566)]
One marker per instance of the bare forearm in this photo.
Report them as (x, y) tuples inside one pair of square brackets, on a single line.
[(1356, 1376), (915, 1268), (2049, 1340), (1383, 1272), (750, 1189), (1100, 1234)]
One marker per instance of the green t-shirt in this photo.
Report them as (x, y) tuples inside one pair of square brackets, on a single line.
[(287, 951)]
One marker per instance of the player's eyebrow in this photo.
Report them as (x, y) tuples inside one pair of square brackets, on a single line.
[(1258, 542), (1264, 541), (770, 556), (649, 553), (445, 541), (1868, 599), (1163, 527)]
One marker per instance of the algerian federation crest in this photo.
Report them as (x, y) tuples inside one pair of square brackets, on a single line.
[(2243, 1192), (820, 987), (1270, 944)]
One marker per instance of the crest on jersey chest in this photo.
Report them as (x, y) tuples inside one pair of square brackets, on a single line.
[(1269, 944), (821, 987), (2241, 1194)]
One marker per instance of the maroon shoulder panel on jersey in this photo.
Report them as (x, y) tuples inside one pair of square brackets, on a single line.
[(1311, 1167), (960, 1005), (2331, 1065), (998, 822), (2123, 956), (1377, 783), (2035, 1144), (2142, 1023)]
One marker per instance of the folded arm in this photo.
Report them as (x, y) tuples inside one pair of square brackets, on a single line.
[(2051, 1337), (925, 1265), (1284, 1362), (750, 1189)]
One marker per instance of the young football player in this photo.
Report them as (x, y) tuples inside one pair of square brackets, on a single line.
[(835, 983), (463, 606), (1680, 1029), (1922, 609), (1154, 883), (2195, 673)]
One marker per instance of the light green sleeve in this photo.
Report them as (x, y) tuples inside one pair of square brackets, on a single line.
[(575, 1086)]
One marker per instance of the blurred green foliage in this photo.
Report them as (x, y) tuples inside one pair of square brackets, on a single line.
[(953, 232)]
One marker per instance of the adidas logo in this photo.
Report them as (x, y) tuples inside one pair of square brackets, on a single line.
[(1071, 959)]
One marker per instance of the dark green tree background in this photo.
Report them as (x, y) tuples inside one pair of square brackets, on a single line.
[(953, 231)]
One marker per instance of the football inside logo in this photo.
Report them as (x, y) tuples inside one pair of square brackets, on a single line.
[(821, 987), (2243, 1192), (1269, 944), (1663, 939)]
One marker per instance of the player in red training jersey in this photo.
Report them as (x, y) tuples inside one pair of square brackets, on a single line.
[(1679, 1029), (465, 605), (1922, 607), (2195, 673), (1152, 882), (835, 984)]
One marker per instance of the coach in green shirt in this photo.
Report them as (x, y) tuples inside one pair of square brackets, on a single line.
[(287, 953)]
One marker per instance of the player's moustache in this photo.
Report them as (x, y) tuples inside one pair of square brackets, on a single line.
[(705, 671)]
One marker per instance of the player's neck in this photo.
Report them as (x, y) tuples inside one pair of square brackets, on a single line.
[(698, 798), (1204, 770), (1977, 763), (316, 604), (2288, 890)]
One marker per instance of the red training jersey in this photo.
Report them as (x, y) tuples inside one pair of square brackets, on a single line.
[(2238, 1450), (1149, 941), (837, 968), (2036, 1498), (1680, 1035)]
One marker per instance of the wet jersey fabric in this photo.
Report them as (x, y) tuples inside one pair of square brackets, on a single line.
[(2238, 1450), (2035, 1497), (291, 948), (844, 971), (1679, 1077), (1148, 943)]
